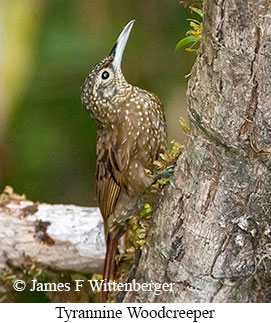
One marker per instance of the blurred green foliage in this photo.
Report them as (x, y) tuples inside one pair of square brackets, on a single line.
[(49, 138)]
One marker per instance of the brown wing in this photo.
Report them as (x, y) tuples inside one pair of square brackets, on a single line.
[(112, 160)]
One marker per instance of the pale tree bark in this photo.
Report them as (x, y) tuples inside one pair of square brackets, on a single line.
[(211, 234), (62, 237)]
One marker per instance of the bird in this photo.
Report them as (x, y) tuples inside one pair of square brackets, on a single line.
[(131, 134)]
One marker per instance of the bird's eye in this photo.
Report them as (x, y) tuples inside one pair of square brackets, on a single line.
[(105, 75)]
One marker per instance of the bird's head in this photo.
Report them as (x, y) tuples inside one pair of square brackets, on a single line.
[(104, 80)]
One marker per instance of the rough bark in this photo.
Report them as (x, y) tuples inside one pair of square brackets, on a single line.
[(211, 234), (63, 237)]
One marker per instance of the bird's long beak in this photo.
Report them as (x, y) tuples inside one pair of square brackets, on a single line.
[(118, 49)]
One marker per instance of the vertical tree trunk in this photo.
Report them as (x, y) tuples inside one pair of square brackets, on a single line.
[(211, 235)]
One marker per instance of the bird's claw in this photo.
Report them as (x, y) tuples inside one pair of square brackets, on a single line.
[(167, 173)]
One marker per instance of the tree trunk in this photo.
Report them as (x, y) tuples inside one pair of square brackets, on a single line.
[(211, 235)]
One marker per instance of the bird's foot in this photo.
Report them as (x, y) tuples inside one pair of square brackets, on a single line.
[(165, 176)]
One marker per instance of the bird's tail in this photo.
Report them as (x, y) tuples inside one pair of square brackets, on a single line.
[(109, 265)]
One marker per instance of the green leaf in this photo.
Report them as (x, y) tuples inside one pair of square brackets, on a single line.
[(185, 41), (197, 10), (147, 207)]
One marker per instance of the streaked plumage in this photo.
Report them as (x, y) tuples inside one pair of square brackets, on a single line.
[(131, 133)]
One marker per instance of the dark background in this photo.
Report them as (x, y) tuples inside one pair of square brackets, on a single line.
[(47, 138)]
